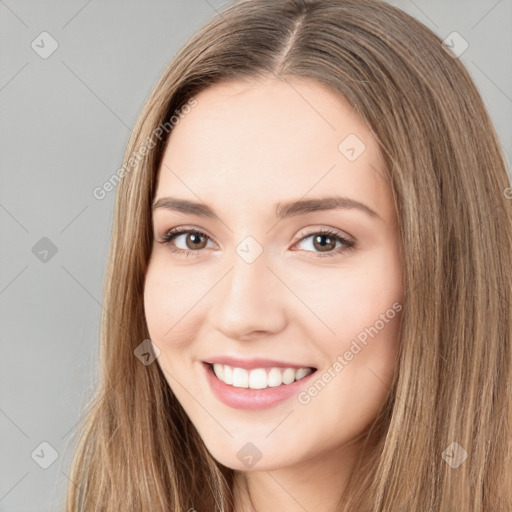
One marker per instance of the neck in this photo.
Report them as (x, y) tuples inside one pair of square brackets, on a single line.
[(315, 484)]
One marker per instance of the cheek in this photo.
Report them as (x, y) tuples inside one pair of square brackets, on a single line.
[(349, 391), (157, 307), (355, 302), (168, 302), (365, 314), (172, 322)]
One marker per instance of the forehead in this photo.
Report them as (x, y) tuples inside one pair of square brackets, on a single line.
[(273, 140)]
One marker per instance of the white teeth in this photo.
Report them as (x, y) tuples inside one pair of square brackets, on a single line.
[(219, 370), (288, 376), (259, 378), (228, 374), (274, 378), (302, 373), (240, 378)]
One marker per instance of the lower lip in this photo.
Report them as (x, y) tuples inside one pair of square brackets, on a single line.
[(255, 399)]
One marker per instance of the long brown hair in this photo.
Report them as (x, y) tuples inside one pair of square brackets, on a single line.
[(138, 450)]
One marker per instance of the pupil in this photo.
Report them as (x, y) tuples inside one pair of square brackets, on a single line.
[(195, 238), (319, 237)]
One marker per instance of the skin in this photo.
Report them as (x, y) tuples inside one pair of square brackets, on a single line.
[(243, 148)]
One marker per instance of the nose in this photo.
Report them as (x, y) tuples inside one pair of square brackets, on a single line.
[(251, 300)]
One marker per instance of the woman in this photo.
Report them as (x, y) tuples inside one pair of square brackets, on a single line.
[(308, 296)]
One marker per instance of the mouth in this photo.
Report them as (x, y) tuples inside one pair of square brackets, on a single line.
[(258, 378), (255, 388)]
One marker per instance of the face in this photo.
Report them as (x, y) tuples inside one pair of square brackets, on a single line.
[(300, 303)]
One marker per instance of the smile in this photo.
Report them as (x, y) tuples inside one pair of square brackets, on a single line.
[(258, 378), (256, 388)]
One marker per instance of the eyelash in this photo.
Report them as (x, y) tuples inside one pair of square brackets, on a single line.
[(170, 235)]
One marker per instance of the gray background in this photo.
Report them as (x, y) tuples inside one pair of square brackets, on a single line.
[(65, 121)]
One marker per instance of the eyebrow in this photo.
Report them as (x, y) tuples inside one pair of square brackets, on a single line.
[(282, 210)]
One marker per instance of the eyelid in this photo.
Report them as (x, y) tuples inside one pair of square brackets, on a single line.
[(312, 230), (183, 230), (178, 230), (307, 231), (348, 242)]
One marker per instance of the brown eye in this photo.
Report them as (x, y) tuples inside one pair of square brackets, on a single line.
[(195, 241), (192, 240), (324, 242)]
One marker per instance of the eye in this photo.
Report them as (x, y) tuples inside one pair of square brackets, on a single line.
[(324, 241), (194, 240)]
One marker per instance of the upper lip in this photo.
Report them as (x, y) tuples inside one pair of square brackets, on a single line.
[(250, 364)]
